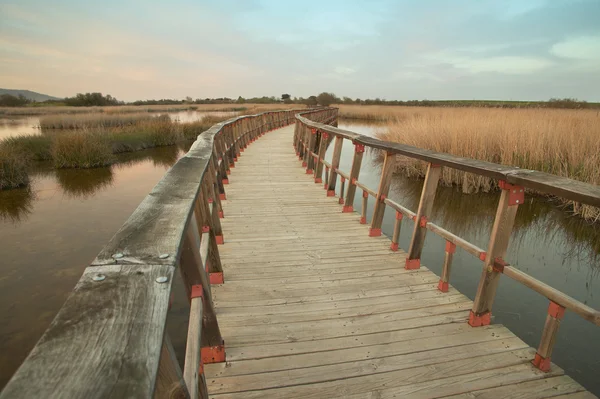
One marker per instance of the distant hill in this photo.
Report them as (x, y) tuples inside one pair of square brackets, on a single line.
[(30, 95)]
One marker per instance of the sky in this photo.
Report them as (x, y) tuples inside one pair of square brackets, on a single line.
[(403, 50)]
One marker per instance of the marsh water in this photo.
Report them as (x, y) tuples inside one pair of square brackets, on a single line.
[(51, 231)]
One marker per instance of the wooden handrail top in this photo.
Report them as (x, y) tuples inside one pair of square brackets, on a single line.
[(544, 182)]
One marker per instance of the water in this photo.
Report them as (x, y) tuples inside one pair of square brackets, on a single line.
[(50, 232), (18, 125)]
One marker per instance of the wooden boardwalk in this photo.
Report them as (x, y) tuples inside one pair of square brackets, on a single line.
[(312, 307)]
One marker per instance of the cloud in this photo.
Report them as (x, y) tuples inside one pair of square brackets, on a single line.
[(579, 48), (342, 70)]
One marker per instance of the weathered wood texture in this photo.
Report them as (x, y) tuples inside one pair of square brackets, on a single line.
[(315, 308)]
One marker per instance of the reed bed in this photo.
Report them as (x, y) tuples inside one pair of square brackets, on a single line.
[(126, 109), (561, 142), (98, 120), (92, 140)]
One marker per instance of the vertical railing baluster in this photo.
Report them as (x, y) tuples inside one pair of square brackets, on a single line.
[(335, 164), (194, 273), (510, 199), (169, 380), (365, 203), (384, 187), (448, 256), (359, 150), (397, 228), (320, 156), (310, 159), (413, 261), (342, 189), (544, 352)]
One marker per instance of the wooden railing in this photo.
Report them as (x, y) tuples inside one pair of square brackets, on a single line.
[(109, 339), (311, 139)]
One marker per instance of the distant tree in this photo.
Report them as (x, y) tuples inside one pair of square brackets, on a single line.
[(91, 99), (189, 100), (7, 100), (326, 99), (347, 100), (240, 100), (286, 98), (312, 101)]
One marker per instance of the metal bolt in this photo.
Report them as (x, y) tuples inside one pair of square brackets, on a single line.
[(99, 277), (514, 191), (163, 256), (517, 201), (521, 190), (118, 255), (162, 279)]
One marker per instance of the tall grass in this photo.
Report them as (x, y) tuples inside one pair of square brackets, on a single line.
[(14, 166), (81, 149), (125, 109), (561, 142), (101, 120)]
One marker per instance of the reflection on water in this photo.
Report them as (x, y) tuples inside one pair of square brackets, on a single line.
[(16, 204), (83, 183), (17, 126)]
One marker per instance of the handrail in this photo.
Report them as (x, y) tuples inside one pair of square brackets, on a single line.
[(512, 181), (109, 339)]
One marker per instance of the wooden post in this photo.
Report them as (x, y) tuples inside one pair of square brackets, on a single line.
[(335, 164), (296, 142), (359, 150), (396, 235), (326, 177), (413, 261), (365, 202), (169, 381), (384, 187), (321, 155), (205, 221), (544, 352), (342, 189), (510, 198), (310, 160), (305, 148), (193, 369), (214, 189), (445, 278), (193, 274)]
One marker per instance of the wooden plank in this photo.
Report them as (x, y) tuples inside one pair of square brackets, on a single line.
[(335, 164), (432, 335), (536, 389), (105, 341), (412, 381)]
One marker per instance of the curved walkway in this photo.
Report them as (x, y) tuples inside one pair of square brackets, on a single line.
[(314, 308)]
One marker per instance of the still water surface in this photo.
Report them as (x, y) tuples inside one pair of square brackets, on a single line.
[(50, 232)]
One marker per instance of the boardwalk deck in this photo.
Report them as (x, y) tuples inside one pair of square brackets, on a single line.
[(313, 307)]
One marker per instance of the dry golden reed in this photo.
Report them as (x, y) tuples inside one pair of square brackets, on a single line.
[(561, 142)]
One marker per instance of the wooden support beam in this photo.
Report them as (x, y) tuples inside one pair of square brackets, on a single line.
[(384, 187), (335, 164), (169, 380), (544, 352), (321, 155), (413, 261), (306, 136), (193, 274), (510, 198), (365, 203), (342, 189), (310, 160), (193, 369), (359, 150), (397, 228), (445, 278), (206, 223)]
